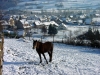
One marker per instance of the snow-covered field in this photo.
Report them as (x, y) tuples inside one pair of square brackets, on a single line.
[(21, 59)]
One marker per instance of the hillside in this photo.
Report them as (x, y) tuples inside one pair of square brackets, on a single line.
[(21, 59), (5, 4), (50, 4)]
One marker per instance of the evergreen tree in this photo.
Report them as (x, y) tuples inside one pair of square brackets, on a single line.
[(55, 30), (90, 35), (52, 30), (97, 35), (20, 17)]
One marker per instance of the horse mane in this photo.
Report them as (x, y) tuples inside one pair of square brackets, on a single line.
[(39, 44)]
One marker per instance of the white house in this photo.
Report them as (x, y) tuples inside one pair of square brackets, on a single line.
[(40, 24), (96, 21), (62, 27), (5, 24)]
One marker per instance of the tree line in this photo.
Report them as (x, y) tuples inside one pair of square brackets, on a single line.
[(90, 38)]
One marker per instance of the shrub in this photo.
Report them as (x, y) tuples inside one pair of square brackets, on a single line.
[(11, 35)]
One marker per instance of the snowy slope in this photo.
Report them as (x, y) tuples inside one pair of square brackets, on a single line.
[(21, 59), (54, 4)]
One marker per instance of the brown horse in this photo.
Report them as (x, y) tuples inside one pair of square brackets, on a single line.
[(41, 48)]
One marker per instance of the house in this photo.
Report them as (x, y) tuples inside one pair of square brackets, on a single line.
[(80, 22), (39, 24), (19, 24), (4, 25), (23, 25), (97, 15), (62, 27), (11, 22), (45, 18), (88, 21), (34, 17), (58, 21), (96, 21), (53, 18), (26, 24)]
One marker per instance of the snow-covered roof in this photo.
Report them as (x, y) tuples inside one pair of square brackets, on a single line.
[(64, 25), (27, 26), (37, 22), (5, 23), (97, 14), (24, 22), (96, 19), (53, 22), (11, 18), (82, 16), (46, 23), (80, 21)]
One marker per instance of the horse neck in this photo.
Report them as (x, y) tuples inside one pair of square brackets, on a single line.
[(39, 44)]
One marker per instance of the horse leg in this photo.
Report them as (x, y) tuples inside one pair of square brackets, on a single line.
[(49, 56), (45, 58), (40, 57)]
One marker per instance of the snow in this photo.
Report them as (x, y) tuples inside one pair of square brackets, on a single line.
[(67, 4), (37, 22), (20, 33), (24, 22), (21, 59), (96, 19), (46, 23)]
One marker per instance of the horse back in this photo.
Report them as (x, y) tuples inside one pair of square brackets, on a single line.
[(48, 46)]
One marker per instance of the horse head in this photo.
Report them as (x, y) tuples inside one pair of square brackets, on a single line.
[(34, 44)]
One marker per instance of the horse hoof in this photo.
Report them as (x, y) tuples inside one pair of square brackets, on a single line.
[(50, 61), (0, 66)]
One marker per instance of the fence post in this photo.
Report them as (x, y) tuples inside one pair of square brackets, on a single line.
[(1, 53), (0, 65), (0, 58), (1, 27)]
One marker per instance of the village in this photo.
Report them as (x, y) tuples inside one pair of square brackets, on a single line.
[(36, 20)]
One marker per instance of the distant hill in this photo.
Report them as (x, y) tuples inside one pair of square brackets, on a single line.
[(5, 4), (49, 4)]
